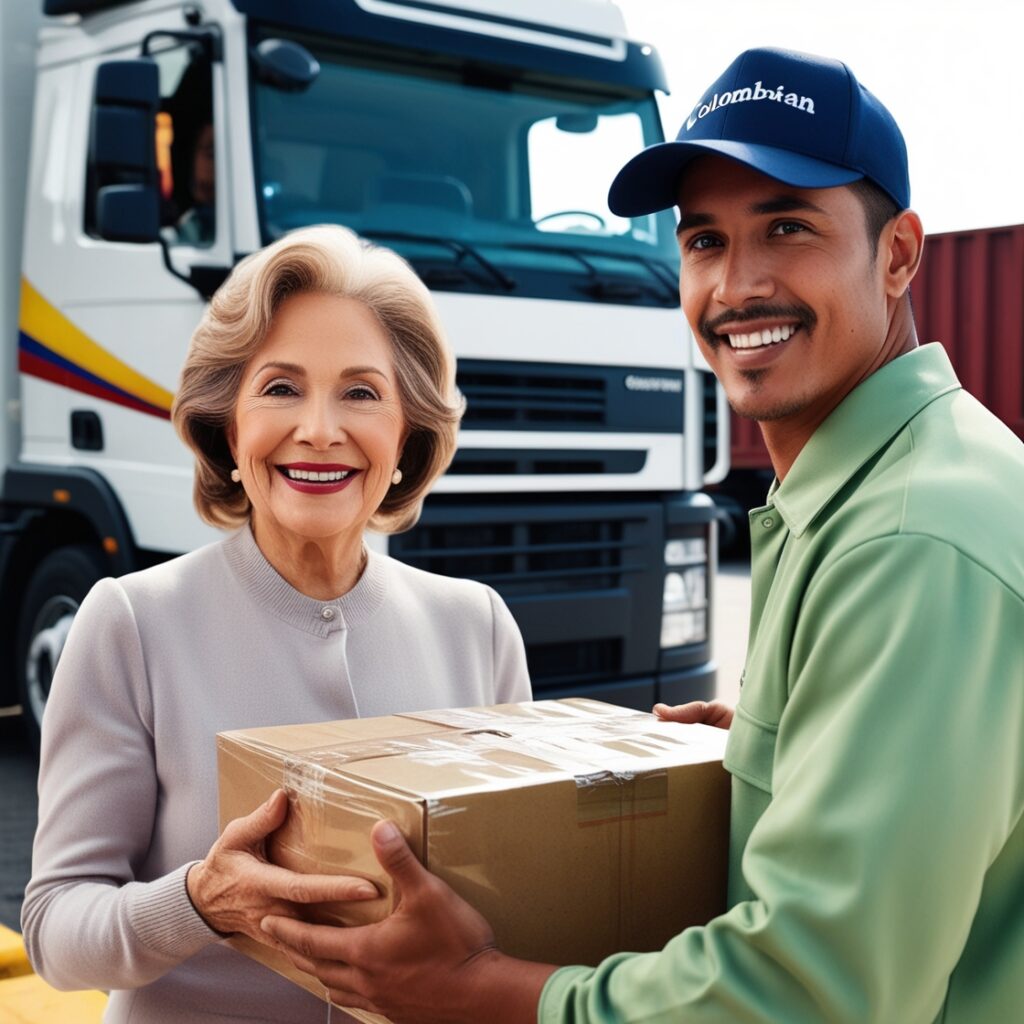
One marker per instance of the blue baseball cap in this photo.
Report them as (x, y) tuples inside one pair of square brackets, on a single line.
[(801, 119)]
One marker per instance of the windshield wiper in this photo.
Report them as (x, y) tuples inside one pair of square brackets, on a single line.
[(460, 248), (659, 271), (601, 286)]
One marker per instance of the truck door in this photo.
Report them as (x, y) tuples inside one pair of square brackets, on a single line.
[(113, 322)]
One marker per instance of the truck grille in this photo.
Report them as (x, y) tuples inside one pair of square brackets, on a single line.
[(582, 662), (526, 558), (583, 580), (504, 395), (531, 399), (527, 461)]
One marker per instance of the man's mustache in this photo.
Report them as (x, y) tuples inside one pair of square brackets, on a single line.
[(804, 315)]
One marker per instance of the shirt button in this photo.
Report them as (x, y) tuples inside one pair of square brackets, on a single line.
[(768, 523), (327, 614)]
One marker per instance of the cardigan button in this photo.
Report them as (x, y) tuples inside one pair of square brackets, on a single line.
[(327, 614)]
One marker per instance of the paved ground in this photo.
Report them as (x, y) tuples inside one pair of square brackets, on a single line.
[(17, 818), (18, 760)]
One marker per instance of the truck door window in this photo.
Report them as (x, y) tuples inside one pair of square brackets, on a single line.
[(186, 159)]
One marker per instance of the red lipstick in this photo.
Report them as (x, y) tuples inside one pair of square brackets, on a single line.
[(308, 486)]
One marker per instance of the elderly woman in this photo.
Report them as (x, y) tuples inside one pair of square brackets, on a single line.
[(318, 396)]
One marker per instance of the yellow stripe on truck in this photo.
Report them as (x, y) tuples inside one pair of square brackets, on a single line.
[(45, 324)]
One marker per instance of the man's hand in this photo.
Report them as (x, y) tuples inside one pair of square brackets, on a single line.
[(235, 886), (431, 961), (697, 712)]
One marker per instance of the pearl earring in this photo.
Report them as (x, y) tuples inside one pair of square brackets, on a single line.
[(396, 477), (236, 476)]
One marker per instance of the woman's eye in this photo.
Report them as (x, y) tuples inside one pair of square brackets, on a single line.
[(362, 392), (278, 388)]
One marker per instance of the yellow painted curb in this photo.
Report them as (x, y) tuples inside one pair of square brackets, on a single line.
[(29, 1000), (13, 961)]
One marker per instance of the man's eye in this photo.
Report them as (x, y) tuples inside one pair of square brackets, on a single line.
[(702, 242), (788, 227)]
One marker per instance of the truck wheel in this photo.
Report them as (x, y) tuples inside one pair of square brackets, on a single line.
[(56, 589)]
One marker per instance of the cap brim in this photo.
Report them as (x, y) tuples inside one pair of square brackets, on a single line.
[(650, 181)]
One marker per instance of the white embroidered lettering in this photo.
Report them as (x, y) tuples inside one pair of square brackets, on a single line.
[(749, 94)]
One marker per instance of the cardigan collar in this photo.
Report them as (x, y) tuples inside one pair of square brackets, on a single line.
[(272, 591)]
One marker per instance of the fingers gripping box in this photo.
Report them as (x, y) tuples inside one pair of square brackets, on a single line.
[(578, 829)]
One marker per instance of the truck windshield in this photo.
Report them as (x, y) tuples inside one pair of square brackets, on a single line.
[(420, 151)]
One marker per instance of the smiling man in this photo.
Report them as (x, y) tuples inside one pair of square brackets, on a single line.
[(877, 751)]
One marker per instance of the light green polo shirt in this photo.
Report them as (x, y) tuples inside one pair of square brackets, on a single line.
[(877, 753)]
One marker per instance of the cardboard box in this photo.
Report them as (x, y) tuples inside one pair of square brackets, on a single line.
[(578, 829)]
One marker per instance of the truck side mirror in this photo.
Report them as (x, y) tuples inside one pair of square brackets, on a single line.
[(122, 151), (128, 213), (284, 65)]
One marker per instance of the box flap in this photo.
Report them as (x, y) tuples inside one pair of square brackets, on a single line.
[(319, 735), (539, 712), (635, 743), (457, 763), (525, 752)]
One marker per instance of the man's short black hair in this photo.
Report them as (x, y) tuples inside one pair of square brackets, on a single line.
[(879, 209)]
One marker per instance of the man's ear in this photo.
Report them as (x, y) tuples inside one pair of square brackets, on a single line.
[(901, 246)]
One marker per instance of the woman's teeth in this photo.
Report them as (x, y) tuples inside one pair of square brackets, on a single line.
[(769, 336), (320, 478)]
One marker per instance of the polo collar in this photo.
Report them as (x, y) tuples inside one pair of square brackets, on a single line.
[(860, 426), (272, 591)]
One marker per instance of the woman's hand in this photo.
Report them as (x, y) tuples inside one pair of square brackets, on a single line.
[(432, 960), (697, 712), (235, 887)]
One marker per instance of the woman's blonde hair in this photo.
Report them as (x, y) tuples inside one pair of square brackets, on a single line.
[(333, 261)]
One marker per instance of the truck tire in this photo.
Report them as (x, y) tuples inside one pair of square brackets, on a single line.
[(54, 592)]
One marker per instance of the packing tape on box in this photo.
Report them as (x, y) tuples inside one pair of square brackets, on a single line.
[(570, 711), (311, 782), (604, 793), (607, 796), (483, 754)]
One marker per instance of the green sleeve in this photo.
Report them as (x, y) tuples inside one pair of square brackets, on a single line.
[(897, 780)]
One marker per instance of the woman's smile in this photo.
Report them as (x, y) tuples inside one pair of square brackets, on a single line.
[(317, 478)]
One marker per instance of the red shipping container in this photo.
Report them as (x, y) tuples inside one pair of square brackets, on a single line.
[(746, 446), (968, 295)]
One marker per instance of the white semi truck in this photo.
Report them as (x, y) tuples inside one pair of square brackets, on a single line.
[(149, 144)]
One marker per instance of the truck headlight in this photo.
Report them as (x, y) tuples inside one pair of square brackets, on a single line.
[(686, 551), (684, 613)]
